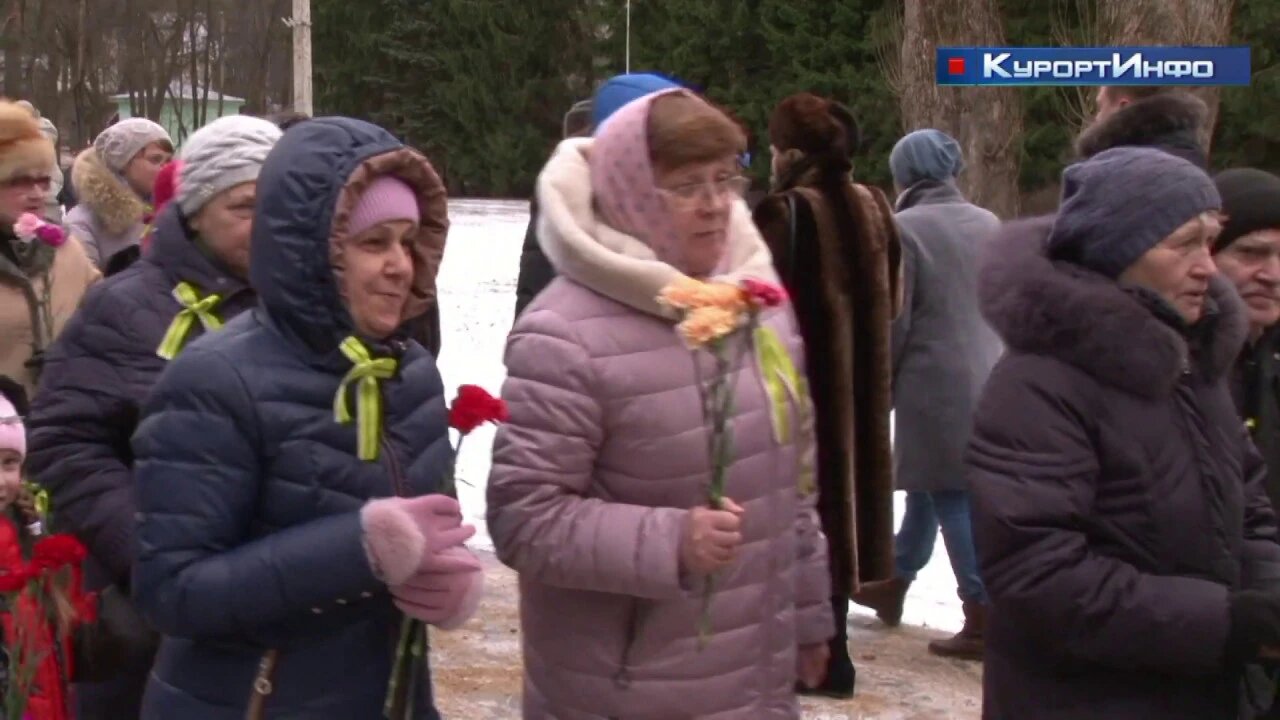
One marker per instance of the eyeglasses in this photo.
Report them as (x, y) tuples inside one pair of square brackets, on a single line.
[(690, 193), (24, 183)]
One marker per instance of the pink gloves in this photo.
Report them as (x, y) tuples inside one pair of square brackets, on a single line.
[(445, 599), (415, 546)]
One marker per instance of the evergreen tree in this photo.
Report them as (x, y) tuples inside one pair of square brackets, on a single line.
[(481, 86), (1248, 130)]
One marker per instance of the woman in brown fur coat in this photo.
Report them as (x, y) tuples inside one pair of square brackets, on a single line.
[(836, 247)]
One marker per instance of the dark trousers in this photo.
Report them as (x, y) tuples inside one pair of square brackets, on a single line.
[(117, 699)]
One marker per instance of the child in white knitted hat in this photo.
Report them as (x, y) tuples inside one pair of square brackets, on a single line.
[(14, 494), (13, 448), (44, 675)]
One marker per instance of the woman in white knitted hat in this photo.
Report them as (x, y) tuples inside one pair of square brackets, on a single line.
[(114, 180), (193, 280)]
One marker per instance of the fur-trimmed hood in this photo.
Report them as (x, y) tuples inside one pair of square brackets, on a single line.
[(586, 250), (308, 187), (115, 205), (1042, 307), (1171, 122)]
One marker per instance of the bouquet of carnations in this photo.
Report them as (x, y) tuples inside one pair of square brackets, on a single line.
[(715, 317), (44, 602)]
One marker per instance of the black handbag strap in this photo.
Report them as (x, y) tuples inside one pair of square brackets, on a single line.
[(791, 239)]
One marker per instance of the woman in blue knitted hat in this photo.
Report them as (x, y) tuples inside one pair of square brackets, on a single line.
[(1123, 529), (942, 353)]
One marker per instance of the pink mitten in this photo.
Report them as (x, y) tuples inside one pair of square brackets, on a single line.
[(444, 599), (405, 536)]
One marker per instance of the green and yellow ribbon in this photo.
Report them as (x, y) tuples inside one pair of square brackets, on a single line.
[(781, 379), (366, 371), (40, 496), (194, 308), (783, 383)]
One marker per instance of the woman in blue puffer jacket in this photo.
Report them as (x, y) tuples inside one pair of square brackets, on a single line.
[(288, 467)]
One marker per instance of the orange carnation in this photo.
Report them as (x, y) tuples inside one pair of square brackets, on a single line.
[(706, 324), (683, 294), (689, 294)]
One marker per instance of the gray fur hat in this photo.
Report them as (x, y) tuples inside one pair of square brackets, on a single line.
[(118, 144), (225, 153)]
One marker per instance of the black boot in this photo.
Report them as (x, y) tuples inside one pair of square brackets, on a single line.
[(841, 674)]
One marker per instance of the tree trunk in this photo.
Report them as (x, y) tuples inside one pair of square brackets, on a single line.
[(80, 90), (13, 52), (986, 121), (222, 59)]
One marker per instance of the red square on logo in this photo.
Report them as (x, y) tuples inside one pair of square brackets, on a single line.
[(955, 66)]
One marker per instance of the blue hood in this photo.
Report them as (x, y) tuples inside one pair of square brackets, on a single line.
[(622, 89), (310, 181)]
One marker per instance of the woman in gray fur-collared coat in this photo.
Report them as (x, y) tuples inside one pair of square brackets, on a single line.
[(114, 180)]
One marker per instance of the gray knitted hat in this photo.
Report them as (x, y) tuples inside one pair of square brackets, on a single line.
[(1120, 203), (225, 153), (925, 155), (118, 144)]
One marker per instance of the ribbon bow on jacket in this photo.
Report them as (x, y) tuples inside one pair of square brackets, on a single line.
[(193, 307), (367, 372), (784, 384)]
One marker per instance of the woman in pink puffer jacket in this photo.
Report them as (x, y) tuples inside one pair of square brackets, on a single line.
[(599, 488)]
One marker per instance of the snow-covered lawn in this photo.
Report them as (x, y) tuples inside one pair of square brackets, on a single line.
[(477, 285)]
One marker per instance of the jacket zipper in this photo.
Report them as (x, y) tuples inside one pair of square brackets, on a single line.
[(393, 469), (1189, 417), (393, 463), (622, 678)]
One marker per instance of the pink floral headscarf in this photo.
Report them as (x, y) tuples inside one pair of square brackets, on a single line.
[(623, 182)]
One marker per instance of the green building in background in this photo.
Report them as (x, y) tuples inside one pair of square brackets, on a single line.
[(179, 114)]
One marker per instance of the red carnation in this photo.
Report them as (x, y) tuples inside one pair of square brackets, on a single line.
[(14, 579), (57, 551), (474, 407), (763, 294)]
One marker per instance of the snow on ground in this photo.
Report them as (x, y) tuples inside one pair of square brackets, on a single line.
[(477, 287)]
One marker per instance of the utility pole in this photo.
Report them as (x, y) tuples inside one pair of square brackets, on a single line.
[(301, 25), (628, 36)]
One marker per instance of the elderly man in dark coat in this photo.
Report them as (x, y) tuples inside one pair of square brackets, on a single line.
[(1248, 253), (942, 353), (1166, 118)]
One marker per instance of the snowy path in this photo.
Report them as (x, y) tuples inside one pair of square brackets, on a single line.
[(477, 285)]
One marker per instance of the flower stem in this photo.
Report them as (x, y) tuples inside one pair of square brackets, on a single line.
[(721, 407), (394, 707)]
